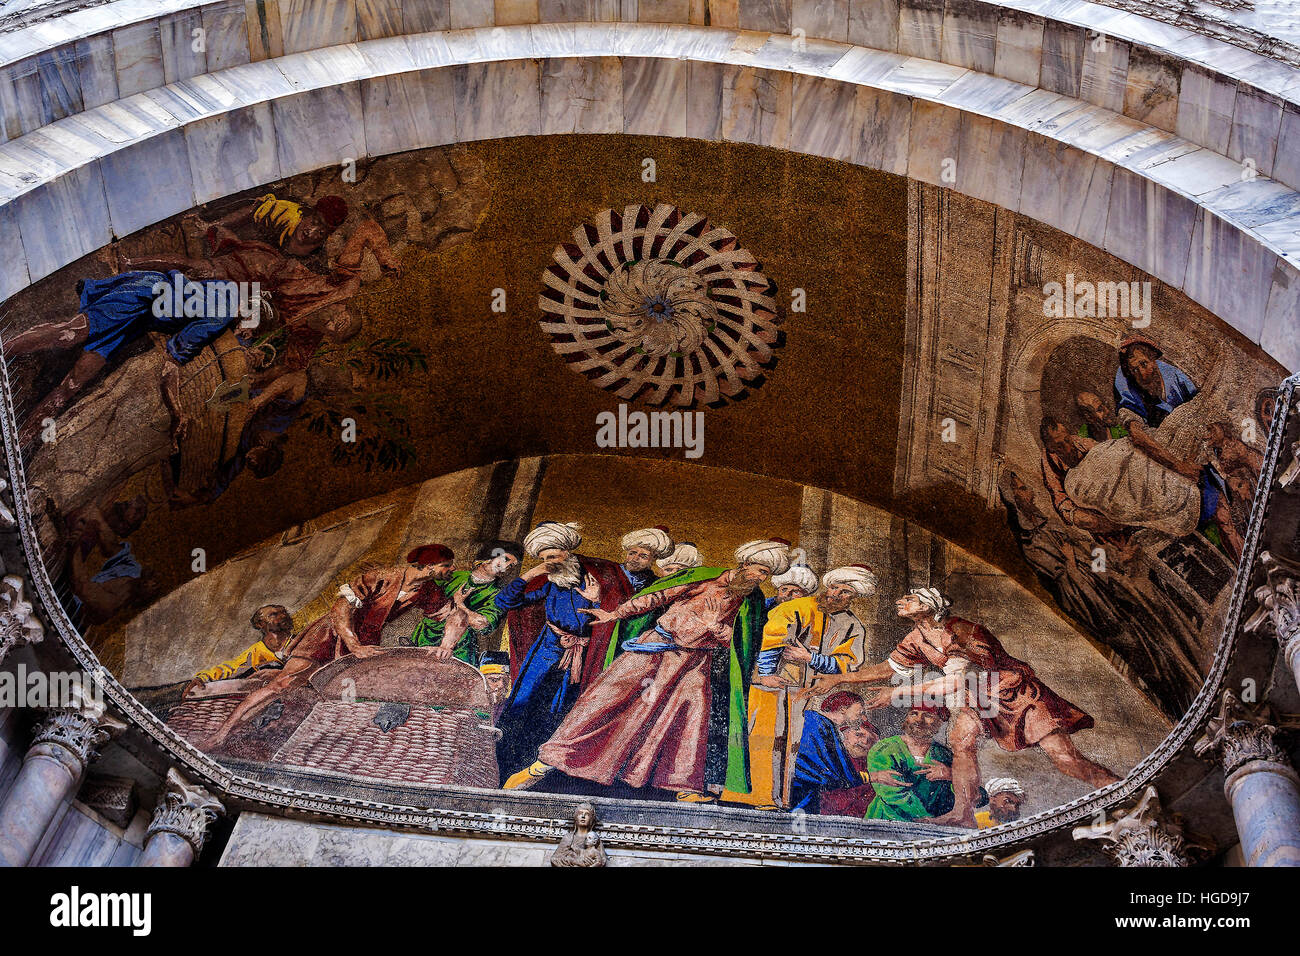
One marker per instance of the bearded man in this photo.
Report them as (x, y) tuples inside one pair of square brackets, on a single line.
[(797, 582), (912, 773), (667, 712), (803, 637), (641, 549), (354, 624), (1006, 795), (555, 651), (1025, 713)]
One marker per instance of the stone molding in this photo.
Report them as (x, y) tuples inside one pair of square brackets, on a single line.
[(186, 810), (18, 622), (1153, 199), (1143, 835)]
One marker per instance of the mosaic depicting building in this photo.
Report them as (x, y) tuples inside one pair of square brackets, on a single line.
[(638, 432)]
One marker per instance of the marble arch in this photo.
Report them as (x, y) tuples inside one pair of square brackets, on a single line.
[(53, 182)]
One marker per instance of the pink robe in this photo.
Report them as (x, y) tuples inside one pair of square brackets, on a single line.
[(645, 720)]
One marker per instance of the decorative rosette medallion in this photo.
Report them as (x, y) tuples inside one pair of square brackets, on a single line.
[(661, 305)]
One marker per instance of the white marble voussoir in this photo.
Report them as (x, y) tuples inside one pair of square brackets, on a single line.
[(1162, 203)]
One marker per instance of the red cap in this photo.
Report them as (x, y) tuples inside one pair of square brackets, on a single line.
[(428, 554)]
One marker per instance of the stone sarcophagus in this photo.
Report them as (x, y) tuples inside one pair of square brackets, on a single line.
[(401, 716)]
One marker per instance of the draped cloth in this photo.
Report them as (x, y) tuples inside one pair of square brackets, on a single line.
[(669, 710), (826, 778), (524, 625)]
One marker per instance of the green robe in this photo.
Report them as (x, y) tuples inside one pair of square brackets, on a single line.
[(730, 688), (922, 798), (481, 599)]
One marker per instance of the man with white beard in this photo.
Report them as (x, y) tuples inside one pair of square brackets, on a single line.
[(555, 651), (641, 549), (668, 712)]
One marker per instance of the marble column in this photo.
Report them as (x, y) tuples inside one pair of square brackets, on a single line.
[(66, 741), (18, 623), (1259, 781), (1279, 608), (180, 823), (1143, 835)]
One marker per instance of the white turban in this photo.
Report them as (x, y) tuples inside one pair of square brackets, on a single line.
[(1004, 785), (654, 540), (773, 554), (685, 555), (800, 575), (934, 600), (857, 576), (552, 534)]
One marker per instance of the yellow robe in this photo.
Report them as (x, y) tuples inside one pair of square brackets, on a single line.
[(765, 703), (254, 656)]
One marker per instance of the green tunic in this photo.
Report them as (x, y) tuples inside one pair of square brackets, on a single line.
[(920, 798), (731, 681), (481, 598)]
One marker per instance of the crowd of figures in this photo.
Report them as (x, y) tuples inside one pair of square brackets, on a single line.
[(215, 353), (1150, 490), (660, 675)]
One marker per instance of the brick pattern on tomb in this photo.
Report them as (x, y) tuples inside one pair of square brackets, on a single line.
[(199, 719), (432, 747)]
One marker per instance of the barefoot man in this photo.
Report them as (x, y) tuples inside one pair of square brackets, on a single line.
[(1021, 712), (353, 625)]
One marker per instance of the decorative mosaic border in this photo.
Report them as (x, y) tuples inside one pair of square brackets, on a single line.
[(453, 817)]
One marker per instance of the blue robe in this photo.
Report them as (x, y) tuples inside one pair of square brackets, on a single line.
[(542, 694), (120, 309), (822, 764), (1179, 389), (638, 579)]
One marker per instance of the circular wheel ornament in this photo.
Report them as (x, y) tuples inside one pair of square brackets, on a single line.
[(661, 305)]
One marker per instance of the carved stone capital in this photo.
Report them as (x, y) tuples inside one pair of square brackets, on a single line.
[(1239, 734), (1143, 835), (185, 810), (73, 735), (1019, 858), (18, 623), (1279, 605)]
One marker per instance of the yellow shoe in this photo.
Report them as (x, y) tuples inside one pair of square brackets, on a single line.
[(528, 776), (692, 796)]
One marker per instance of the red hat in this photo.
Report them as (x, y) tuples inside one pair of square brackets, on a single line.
[(332, 210), (663, 528), (931, 709), (428, 554)]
